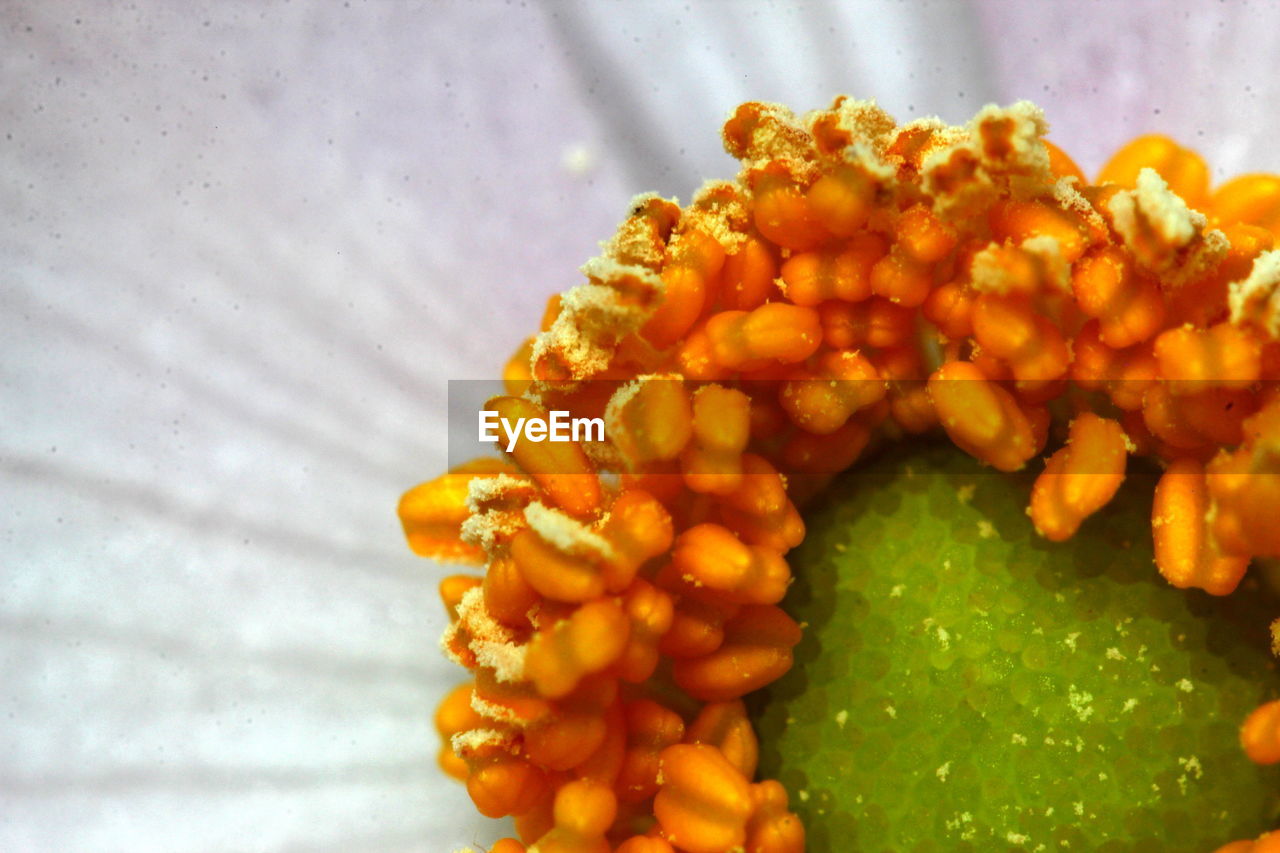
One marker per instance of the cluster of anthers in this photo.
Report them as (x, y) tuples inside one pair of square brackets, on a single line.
[(858, 280)]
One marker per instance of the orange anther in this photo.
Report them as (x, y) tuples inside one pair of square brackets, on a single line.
[(453, 587), (507, 845), (773, 828), (650, 420), (759, 511), (1124, 374), (1183, 169), (696, 357), (517, 373), (1016, 221), (901, 279), (514, 701), (697, 628), (577, 576), (575, 729), (1060, 163), (1128, 305), (432, 513), (923, 236), (950, 308), (507, 595), (1251, 199), (644, 844), (1222, 356), (689, 277), (775, 331), (822, 401), (582, 812), (454, 715), (1245, 486), (876, 322), (1080, 478), (638, 528), (651, 613), (982, 418), (725, 726), (1260, 734), (756, 651), (841, 199), (1268, 842), (784, 215), (709, 556), (1008, 328), (1186, 554), (814, 277), (587, 642), (651, 728), (704, 803), (561, 468), (721, 429), (747, 278), (502, 784), (830, 453)]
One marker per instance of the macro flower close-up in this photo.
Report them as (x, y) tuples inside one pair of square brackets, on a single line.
[(250, 249)]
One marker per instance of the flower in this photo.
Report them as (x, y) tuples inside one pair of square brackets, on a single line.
[(246, 249)]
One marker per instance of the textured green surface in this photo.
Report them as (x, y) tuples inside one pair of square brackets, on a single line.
[(965, 685)]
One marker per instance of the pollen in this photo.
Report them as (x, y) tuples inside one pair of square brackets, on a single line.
[(859, 281)]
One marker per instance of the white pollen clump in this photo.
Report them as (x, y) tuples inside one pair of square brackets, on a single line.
[(1153, 205), (1256, 299), (564, 533), (1129, 705), (986, 529), (1186, 686), (1070, 641), (842, 717), (943, 771), (1114, 654), (1081, 702)]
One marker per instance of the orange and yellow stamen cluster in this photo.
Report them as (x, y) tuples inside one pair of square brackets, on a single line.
[(859, 281)]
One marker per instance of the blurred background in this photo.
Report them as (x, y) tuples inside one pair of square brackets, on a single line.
[(243, 247)]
